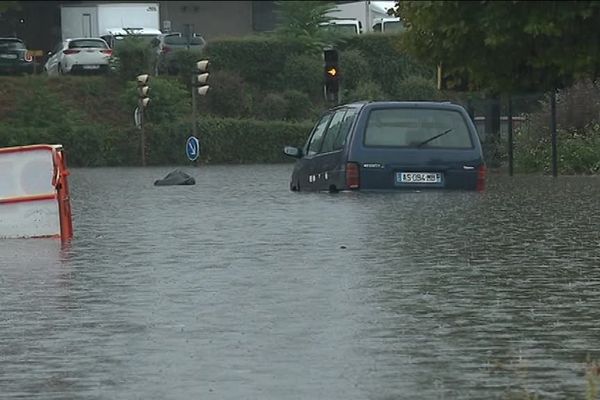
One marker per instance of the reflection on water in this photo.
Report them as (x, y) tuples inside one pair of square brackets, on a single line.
[(237, 288)]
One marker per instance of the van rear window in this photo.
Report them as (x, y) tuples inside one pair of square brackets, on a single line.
[(417, 127)]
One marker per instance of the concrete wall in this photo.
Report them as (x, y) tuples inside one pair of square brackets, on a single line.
[(211, 19)]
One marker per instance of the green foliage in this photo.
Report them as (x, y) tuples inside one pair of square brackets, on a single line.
[(133, 56), (505, 46), (258, 60), (228, 96), (388, 61), (273, 106), (365, 91), (227, 140), (169, 99), (414, 88), (578, 152), (354, 68), (303, 72), (299, 106), (299, 21)]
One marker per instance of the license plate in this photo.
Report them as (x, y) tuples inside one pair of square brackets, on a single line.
[(9, 56), (419, 177), (91, 66)]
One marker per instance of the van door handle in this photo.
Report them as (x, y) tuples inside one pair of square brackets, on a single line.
[(468, 167)]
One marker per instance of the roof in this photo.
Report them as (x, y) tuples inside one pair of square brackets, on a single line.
[(412, 104)]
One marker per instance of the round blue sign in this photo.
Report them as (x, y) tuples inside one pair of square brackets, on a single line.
[(192, 148)]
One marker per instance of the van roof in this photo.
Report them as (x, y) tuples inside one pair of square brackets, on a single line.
[(413, 104)]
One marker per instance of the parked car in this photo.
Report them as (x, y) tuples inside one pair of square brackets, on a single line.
[(390, 145), (167, 45), (14, 57), (80, 55)]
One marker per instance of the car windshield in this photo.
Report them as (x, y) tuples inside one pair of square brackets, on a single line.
[(183, 41), (87, 43), (410, 127), (11, 45)]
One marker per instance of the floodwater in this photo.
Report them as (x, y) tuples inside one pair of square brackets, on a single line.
[(237, 288)]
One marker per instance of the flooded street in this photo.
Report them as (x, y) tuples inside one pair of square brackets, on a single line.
[(237, 288)]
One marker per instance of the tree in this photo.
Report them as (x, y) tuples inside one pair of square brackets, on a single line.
[(506, 46), (299, 21)]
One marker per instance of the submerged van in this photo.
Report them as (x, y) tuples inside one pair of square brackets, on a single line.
[(390, 146)]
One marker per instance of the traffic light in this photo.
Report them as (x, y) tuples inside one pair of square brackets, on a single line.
[(332, 75), (143, 90), (200, 78)]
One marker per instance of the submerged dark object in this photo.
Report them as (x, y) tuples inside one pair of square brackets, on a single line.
[(176, 177)]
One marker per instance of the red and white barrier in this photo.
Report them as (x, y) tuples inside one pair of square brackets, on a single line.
[(34, 192)]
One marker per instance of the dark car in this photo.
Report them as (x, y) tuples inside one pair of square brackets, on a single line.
[(166, 47), (14, 57), (390, 146)]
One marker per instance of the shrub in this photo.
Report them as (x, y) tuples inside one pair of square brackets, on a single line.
[(228, 95), (299, 106), (227, 140), (258, 60), (354, 68), (366, 90), (273, 106), (303, 72), (388, 61), (169, 99), (133, 56), (414, 88)]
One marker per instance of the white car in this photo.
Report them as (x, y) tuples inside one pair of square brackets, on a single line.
[(78, 56)]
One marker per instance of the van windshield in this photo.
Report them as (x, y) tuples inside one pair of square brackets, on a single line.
[(410, 127)]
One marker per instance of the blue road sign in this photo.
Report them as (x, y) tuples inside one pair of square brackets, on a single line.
[(192, 148)]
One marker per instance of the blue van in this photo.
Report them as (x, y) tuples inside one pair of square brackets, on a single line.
[(390, 146)]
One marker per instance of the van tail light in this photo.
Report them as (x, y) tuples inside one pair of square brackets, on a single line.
[(108, 52), (166, 49), (481, 172), (70, 51), (352, 175)]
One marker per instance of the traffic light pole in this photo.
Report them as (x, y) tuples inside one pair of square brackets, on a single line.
[(143, 134), (194, 106)]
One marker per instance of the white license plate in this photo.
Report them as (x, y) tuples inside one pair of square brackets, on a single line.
[(91, 66), (10, 56), (419, 177)]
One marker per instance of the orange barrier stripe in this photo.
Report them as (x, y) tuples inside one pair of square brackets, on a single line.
[(25, 199), (20, 149)]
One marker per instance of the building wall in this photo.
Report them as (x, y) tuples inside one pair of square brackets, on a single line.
[(211, 19)]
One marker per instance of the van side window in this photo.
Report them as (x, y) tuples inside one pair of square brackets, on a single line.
[(340, 139), (333, 131), (316, 139)]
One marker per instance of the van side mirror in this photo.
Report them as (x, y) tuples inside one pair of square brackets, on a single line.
[(292, 151)]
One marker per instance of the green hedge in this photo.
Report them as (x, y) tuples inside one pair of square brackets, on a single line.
[(227, 140), (258, 60)]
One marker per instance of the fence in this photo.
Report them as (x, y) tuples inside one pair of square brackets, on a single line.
[(573, 149)]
